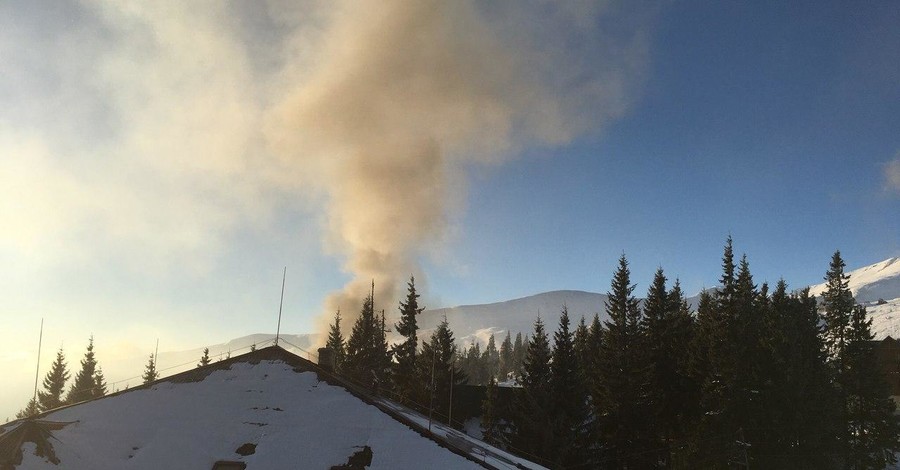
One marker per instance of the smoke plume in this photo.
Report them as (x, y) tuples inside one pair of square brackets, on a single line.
[(403, 95)]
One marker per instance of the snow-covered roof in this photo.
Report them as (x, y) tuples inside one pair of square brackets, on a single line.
[(267, 409)]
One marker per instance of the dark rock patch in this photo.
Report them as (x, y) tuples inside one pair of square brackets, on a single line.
[(358, 461), (246, 449)]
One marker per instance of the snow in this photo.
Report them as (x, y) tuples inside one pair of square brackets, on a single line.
[(885, 318), (877, 281), (294, 419)]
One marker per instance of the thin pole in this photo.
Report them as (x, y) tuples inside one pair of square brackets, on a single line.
[(450, 413), (431, 406), (156, 357), (280, 305), (38, 369)]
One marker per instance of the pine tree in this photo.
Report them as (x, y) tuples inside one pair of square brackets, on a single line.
[(568, 399), (532, 414), (439, 372), (838, 303), (31, 409), (404, 374), (622, 373), (518, 355), (804, 424), (99, 383), (150, 372), (364, 360), (83, 387), (490, 422), (873, 431), (336, 342), (506, 357), (667, 326), (490, 359), (54, 384), (204, 359)]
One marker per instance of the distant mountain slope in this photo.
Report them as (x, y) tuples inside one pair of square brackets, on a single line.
[(470, 322), (877, 281)]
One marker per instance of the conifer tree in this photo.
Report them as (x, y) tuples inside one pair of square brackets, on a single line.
[(31, 409), (99, 383), (490, 422), (838, 303), (365, 360), (581, 343), (804, 425), (506, 357), (668, 326), (873, 431), (438, 370), (150, 372), (622, 373), (568, 400), (204, 359), (518, 355), (336, 342), (490, 359), (54, 384), (83, 387), (531, 421), (404, 373)]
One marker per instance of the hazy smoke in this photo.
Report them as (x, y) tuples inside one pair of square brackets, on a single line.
[(403, 93)]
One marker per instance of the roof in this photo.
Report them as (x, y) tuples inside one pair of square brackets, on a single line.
[(268, 408)]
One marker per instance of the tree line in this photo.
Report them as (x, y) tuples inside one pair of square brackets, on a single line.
[(753, 377), (89, 383)]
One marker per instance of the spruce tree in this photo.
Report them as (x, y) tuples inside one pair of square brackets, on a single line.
[(336, 342), (804, 425), (83, 387), (99, 383), (506, 357), (668, 332), (404, 374), (532, 413), (363, 361), (439, 372), (490, 359), (490, 422), (204, 359), (150, 372), (518, 355), (54, 384), (622, 372), (32, 409), (873, 431), (838, 303), (568, 400)]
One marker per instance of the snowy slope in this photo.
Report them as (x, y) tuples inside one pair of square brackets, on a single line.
[(476, 322), (295, 421), (878, 281)]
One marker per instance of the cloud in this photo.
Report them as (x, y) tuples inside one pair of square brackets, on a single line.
[(892, 174)]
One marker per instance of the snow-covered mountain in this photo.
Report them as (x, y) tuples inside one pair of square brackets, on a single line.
[(871, 283), (477, 322)]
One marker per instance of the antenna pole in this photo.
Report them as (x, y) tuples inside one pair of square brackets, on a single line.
[(156, 356), (38, 369), (280, 305)]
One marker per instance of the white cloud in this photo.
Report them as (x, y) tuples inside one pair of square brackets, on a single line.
[(892, 174)]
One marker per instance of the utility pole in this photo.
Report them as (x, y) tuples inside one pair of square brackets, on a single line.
[(431, 406), (38, 369), (280, 304)]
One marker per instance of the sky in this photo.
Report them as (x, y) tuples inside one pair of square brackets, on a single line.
[(160, 165)]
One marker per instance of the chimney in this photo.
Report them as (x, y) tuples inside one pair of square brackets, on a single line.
[(326, 359)]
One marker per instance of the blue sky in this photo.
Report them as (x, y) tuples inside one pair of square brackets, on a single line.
[(151, 186)]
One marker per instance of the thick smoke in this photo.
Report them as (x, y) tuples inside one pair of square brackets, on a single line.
[(404, 94)]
